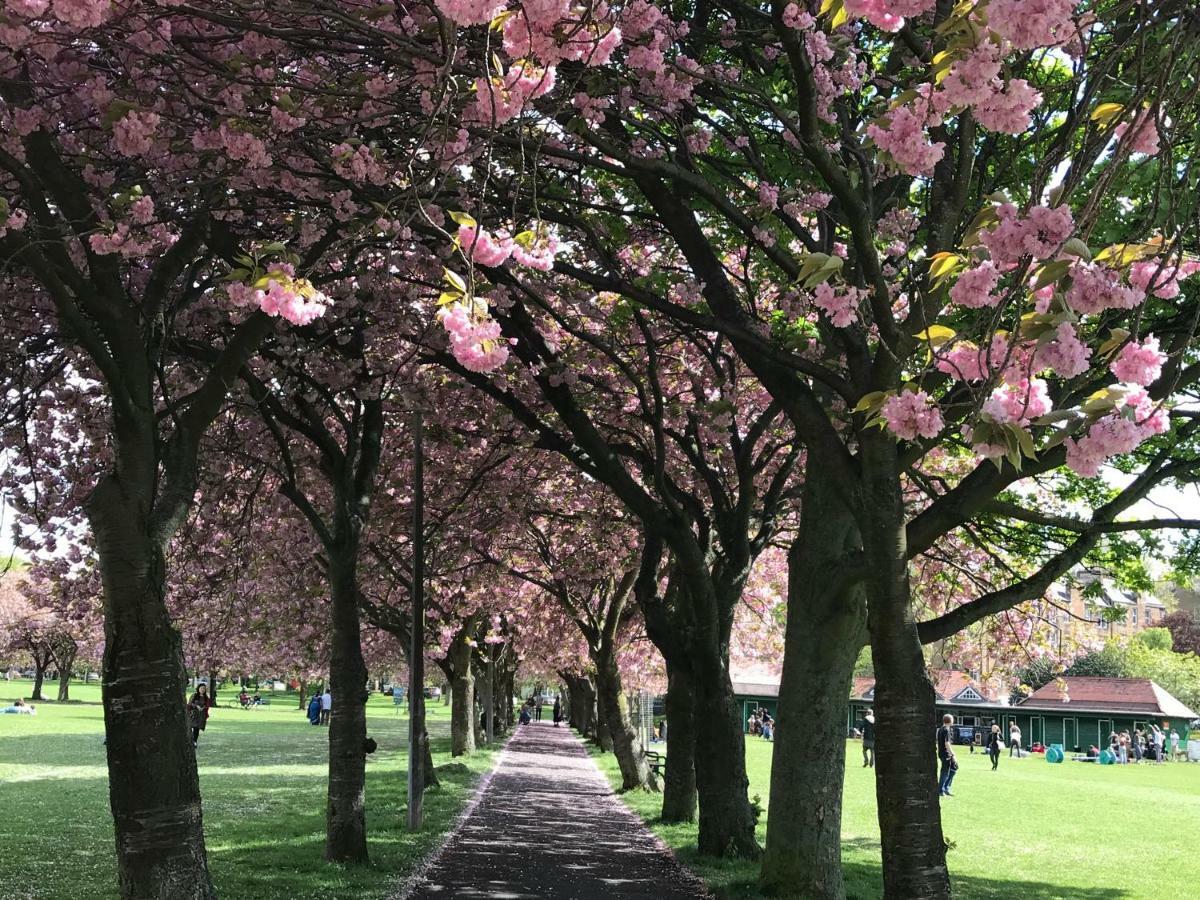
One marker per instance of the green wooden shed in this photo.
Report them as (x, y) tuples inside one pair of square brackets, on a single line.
[(1082, 712)]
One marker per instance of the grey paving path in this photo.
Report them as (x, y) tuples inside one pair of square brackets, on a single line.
[(548, 826)]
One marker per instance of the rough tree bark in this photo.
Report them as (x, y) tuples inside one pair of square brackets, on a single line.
[(153, 787), (826, 628), (345, 811), (65, 655), (631, 758), (914, 848), (679, 775), (462, 685)]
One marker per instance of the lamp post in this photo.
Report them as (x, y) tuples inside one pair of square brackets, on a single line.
[(417, 735)]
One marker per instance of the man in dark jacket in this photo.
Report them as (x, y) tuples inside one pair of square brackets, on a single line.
[(945, 749), (869, 739)]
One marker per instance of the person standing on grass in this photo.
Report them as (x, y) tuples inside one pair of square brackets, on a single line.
[(314, 709), (1014, 739), (945, 749), (868, 738), (1137, 745), (994, 743), (557, 711), (198, 708), (326, 706)]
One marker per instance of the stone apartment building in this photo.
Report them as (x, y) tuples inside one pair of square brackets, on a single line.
[(1092, 609)]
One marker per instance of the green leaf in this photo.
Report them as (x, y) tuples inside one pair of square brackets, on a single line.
[(1051, 272), (935, 335), (455, 279), (871, 401), (461, 218)]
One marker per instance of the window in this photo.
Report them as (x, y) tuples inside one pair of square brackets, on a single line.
[(1133, 615)]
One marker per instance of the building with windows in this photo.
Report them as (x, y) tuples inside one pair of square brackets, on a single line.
[(1091, 609), (1079, 712)]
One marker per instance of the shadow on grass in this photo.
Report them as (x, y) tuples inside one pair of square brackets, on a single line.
[(739, 879)]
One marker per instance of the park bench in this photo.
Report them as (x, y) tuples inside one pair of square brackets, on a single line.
[(657, 762)]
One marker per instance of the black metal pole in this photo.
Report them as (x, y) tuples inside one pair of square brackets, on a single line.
[(416, 650)]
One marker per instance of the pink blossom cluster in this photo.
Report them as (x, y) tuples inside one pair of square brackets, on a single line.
[(483, 247), (281, 295), (1139, 364), (1029, 24), (498, 100), (470, 12), (964, 361), (1095, 288), (904, 137), (358, 164), (974, 287), (840, 306), (1164, 278), (912, 414), (121, 241), (1018, 402), (1065, 353), (552, 31), (1136, 419), (1145, 136), (539, 254), (1038, 235), (1007, 110), (15, 221), (474, 339), (82, 13), (887, 15), (133, 133), (794, 17)]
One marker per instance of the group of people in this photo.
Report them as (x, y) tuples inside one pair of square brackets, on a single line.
[(531, 711), (320, 707), (761, 724), (247, 701), (1153, 744)]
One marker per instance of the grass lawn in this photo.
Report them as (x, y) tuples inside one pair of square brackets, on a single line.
[(1032, 830), (262, 777)]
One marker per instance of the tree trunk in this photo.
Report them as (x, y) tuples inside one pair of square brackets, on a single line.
[(153, 787), (826, 628), (910, 824), (64, 676), (39, 675), (603, 735), (462, 710), (302, 693), (430, 778), (345, 820), (446, 694), (679, 777), (726, 819), (631, 757)]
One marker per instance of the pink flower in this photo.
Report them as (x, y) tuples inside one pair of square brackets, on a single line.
[(974, 287), (841, 308), (1008, 111), (1139, 363), (1095, 288), (470, 12), (133, 133), (1145, 137), (141, 211), (1038, 235), (904, 137), (912, 414), (83, 13), (966, 362), (1065, 354), (474, 340), (887, 15), (1029, 24), (1019, 403), (1165, 278), (482, 247)]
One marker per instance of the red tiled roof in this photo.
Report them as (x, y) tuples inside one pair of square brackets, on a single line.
[(947, 682), (1107, 694)]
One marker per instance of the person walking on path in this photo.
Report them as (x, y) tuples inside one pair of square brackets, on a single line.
[(547, 825), (314, 709), (198, 708), (557, 711), (869, 739), (994, 744), (945, 748), (1014, 739), (326, 706), (538, 713)]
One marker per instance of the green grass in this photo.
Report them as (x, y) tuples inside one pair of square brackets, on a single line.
[(262, 777), (1032, 830)]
